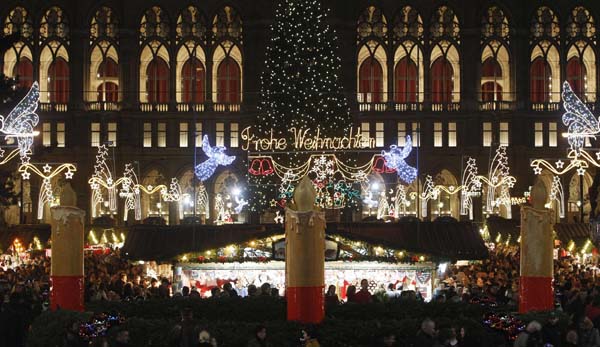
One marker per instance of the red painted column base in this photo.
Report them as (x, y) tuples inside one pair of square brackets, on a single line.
[(305, 304), (535, 294), (67, 293)]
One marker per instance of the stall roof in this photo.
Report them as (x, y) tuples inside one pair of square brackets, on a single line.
[(452, 240), (25, 233), (505, 227), (566, 232)]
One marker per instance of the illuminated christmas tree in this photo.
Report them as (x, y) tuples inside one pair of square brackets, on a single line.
[(300, 85)]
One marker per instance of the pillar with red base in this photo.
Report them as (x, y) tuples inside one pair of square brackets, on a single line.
[(537, 262), (67, 284), (305, 257)]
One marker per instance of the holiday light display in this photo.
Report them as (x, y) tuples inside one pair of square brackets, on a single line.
[(429, 193), (131, 193), (216, 156), (394, 159), (46, 195), (557, 194), (21, 122), (102, 180), (499, 179), (471, 185)]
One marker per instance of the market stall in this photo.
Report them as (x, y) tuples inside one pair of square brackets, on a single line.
[(404, 254)]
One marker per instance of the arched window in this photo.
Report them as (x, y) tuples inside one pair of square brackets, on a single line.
[(24, 71), (442, 83), (495, 60), (371, 24), (104, 24), (540, 74), (54, 24), (491, 90), (154, 24), (157, 84), (227, 25), (104, 73), (58, 81), (227, 76), (18, 22), (228, 87), (544, 73), (191, 24), (444, 74), (581, 58), (544, 24), (405, 76), (576, 75), (193, 81), (154, 75), (371, 80), (108, 91), (407, 34)]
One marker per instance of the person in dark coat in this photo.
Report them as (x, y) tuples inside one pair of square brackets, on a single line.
[(551, 331), (427, 335), (185, 334)]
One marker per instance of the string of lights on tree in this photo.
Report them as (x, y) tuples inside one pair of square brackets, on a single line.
[(300, 87)]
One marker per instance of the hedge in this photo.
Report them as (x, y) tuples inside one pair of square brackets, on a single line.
[(232, 321)]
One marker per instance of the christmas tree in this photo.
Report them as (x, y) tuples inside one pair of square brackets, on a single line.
[(300, 85)]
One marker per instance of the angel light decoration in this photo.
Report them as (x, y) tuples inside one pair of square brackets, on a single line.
[(216, 156), (395, 159), (580, 121), (21, 121)]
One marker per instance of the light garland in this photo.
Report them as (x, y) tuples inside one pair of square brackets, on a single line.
[(499, 178), (557, 194), (471, 186), (21, 122), (394, 159), (102, 179), (216, 156), (46, 195)]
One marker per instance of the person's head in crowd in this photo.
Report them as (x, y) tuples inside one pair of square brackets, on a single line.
[(428, 327), (185, 291)]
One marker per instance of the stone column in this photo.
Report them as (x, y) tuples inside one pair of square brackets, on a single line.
[(537, 264), (67, 258), (305, 257)]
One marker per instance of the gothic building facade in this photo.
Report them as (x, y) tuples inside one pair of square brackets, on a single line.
[(149, 79)]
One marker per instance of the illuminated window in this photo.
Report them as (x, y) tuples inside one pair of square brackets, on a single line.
[(161, 135), (183, 134), (112, 134), (365, 129), (234, 135), (46, 134), (451, 134), (416, 134), (503, 134), (60, 134), (147, 134), (552, 134), (539, 134), (198, 134), (437, 134), (379, 134), (220, 134), (487, 134), (401, 134), (95, 138)]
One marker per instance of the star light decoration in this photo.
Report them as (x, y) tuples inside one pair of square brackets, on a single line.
[(21, 122), (429, 193), (46, 195), (216, 156), (101, 182), (581, 125), (499, 183), (471, 187), (131, 191), (395, 159)]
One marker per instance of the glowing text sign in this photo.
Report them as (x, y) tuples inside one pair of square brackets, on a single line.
[(305, 140)]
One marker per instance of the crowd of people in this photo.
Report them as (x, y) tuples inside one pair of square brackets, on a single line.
[(24, 290)]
